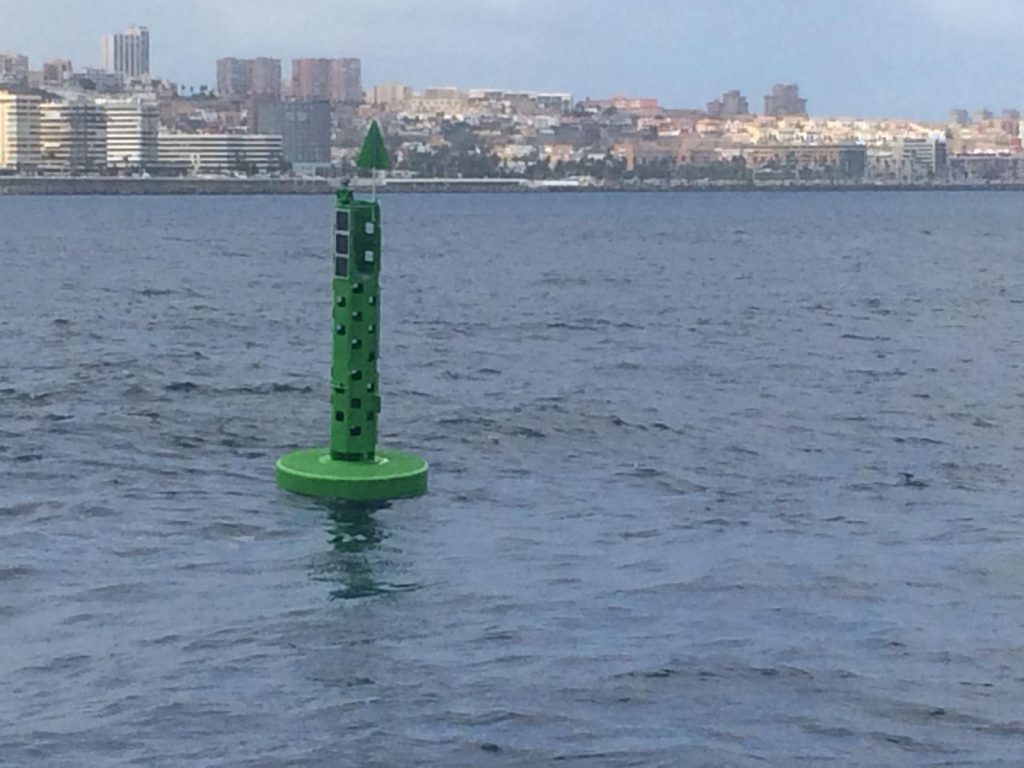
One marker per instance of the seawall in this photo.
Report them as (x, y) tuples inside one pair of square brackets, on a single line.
[(55, 185), (117, 186)]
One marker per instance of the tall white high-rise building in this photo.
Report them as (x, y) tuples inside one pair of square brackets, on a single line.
[(19, 131), (133, 127), (127, 53)]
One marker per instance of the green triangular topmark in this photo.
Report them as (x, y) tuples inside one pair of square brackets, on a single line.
[(374, 155)]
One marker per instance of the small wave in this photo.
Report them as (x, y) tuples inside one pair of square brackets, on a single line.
[(135, 390), (66, 664), (909, 744), (15, 572), (914, 440), (358, 591), (27, 398), (25, 508), (618, 421), (662, 479), (858, 337), (523, 431), (689, 670), (270, 388), (569, 326)]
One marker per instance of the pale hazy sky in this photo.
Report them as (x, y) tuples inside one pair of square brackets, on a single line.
[(913, 58)]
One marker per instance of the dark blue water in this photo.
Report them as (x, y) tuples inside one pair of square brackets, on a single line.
[(717, 480)]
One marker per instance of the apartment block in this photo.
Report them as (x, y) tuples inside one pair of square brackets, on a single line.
[(921, 159), (127, 53), (132, 132), (336, 80), (13, 67), (241, 79), (56, 71), (224, 152), (304, 126), (391, 95), (265, 78), (19, 131), (630, 105), (785, 101), (447, 101), (732, 104), (72, 137)]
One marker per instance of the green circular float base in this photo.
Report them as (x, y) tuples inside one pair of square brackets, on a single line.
[(392, 475)]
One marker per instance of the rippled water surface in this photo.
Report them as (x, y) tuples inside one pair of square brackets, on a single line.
[(717, 480)]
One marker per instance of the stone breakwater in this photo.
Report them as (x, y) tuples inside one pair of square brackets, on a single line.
[(118, 186), (21, 185)]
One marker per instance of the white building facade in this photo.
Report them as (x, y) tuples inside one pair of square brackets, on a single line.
[(127, 53), (922, 160), (247, 153), (72, 137), (19, 131), (133, 128)]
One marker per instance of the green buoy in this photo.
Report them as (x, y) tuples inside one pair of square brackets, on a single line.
[(352, 467)]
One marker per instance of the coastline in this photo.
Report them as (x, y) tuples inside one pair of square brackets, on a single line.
[(42, 185)]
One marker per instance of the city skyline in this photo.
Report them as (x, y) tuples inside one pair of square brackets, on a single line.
[(907, 58)]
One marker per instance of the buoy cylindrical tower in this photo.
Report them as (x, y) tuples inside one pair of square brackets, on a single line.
[(352, 466)]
